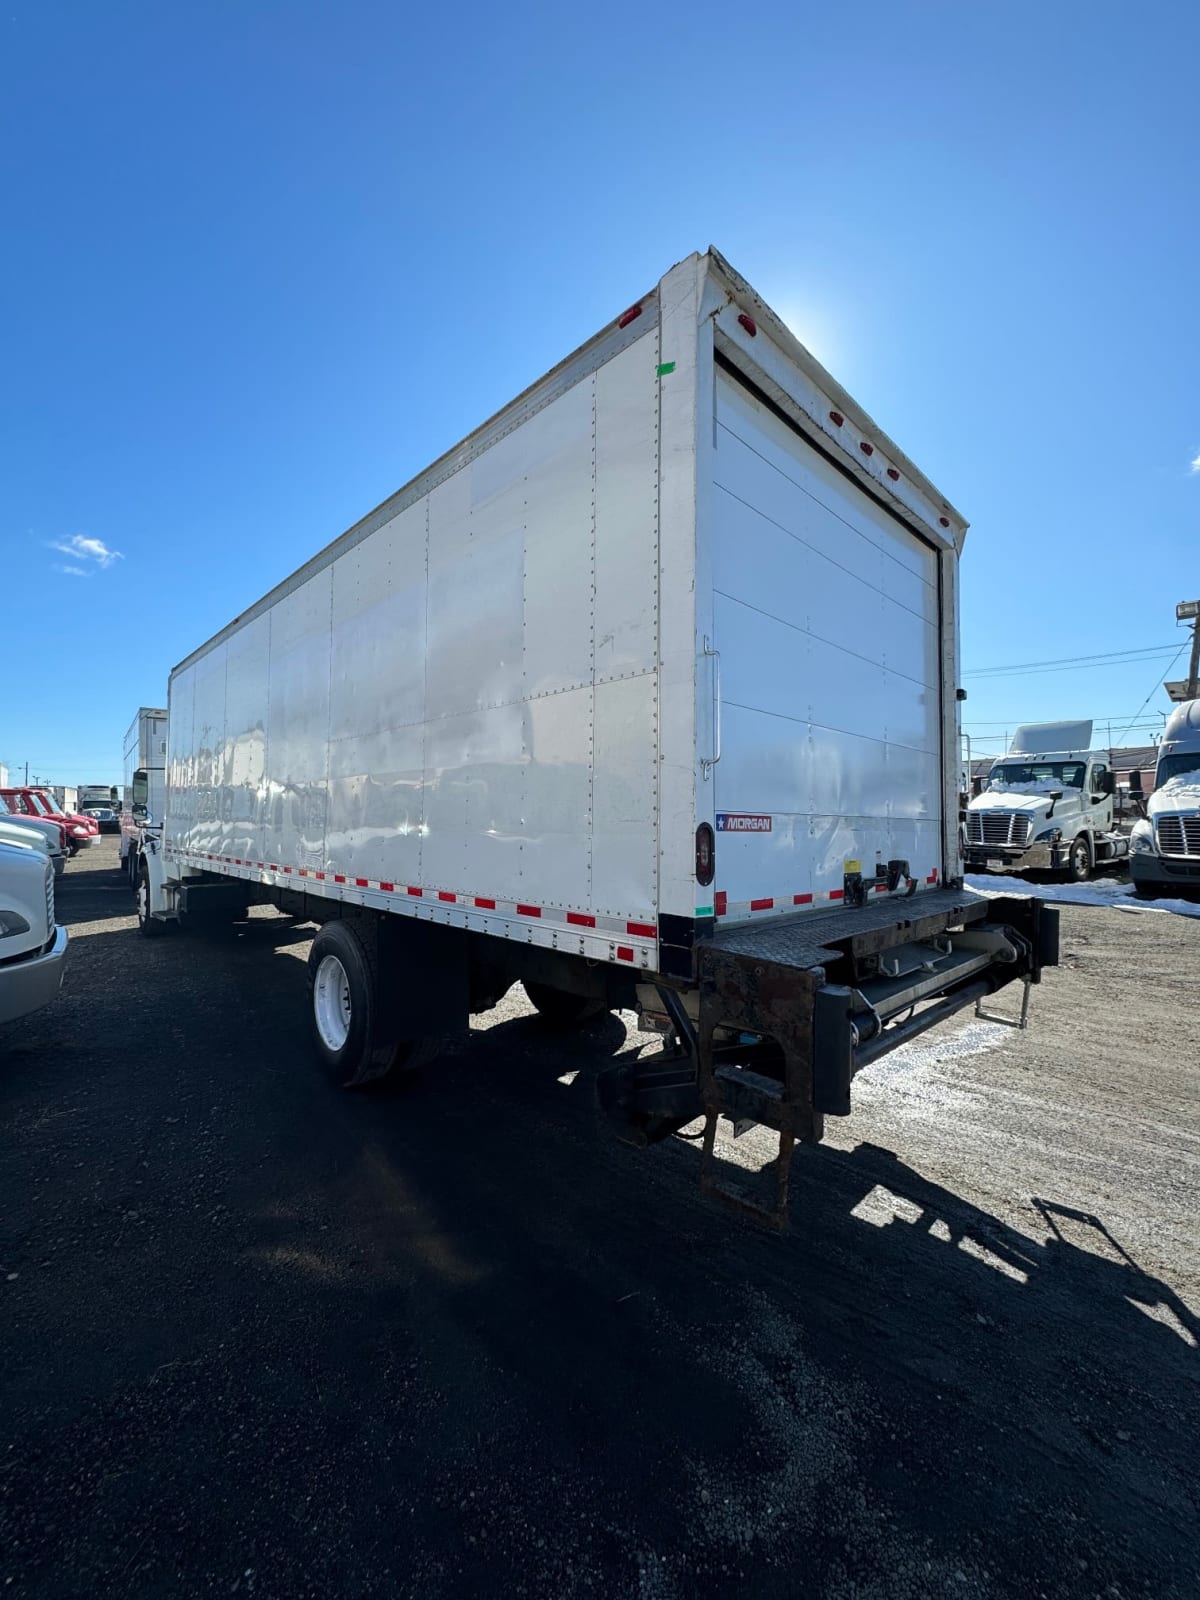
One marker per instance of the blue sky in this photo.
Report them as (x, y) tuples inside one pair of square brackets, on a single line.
[(264, 261)]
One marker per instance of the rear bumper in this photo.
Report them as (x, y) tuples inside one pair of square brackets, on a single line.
[(28, 985), (816, 997)]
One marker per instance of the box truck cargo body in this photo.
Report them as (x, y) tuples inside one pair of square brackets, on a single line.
[(144, 753), (657, 668)]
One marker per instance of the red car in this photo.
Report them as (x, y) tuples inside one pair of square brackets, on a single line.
[(78, 830)]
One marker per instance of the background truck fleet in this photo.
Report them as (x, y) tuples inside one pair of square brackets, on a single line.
[(645, 695)]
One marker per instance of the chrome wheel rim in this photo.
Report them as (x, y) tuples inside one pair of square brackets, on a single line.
[(331, 1003), (1081, 857), (143, 901)]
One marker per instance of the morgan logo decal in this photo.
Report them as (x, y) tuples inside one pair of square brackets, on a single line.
[(742, 822)]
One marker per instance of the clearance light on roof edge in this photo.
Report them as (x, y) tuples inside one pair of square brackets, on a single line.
[(629, 316), (748, 323)]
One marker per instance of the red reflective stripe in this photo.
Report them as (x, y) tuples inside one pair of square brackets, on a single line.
[(416, 893), (362, 883), (272, 868), (444, 894), (580, 920), (388, 886), (837, 894), (529, 911), (287, 869), (933, 877), (881, 888), (802, 899), (303, 872), (320, 875), (761, 905), (486, 905), (643, 930), (338, 878), (624, 953), (720, 901)]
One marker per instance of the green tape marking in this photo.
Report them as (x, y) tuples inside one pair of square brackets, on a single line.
[(704, 911), (664, 367)]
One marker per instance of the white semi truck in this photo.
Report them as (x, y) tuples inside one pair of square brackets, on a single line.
[(144, 754), (644, 696), (1047, 806), (1165, 846)]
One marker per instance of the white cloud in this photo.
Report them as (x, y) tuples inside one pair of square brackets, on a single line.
[(83, 549), (76, 572), (1196, 463)]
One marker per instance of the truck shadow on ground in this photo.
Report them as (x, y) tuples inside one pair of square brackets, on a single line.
[(1043, 1383)]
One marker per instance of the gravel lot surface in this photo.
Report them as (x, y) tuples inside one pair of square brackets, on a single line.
[(260, 1337)]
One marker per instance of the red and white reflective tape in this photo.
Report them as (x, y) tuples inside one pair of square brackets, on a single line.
[(583, 924), (724, 907)]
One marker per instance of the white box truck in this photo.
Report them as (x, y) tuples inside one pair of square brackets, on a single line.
[(143, 755), (1047, 806), (645, 696)]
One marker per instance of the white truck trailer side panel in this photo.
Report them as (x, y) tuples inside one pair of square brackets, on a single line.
[(455, 713), (826, 617)]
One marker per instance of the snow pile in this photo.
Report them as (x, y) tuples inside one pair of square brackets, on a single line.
[(1115, 895), (1037, 786), (1180, 791)]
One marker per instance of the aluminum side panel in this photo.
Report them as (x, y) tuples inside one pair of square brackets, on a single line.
[(462, 706)]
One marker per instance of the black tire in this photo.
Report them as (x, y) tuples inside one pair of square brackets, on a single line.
[(1146, 891), (148, 927), (1079, 862), (361, 1054), (561, 1009)]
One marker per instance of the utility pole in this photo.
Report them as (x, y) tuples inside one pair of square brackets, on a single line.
[(1193, 688), (1189, 688)]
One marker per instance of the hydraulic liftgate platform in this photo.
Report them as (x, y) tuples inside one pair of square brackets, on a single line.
[(791, 1009)]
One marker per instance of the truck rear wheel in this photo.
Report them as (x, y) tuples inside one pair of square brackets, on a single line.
[(560, 1008), (344, 1012), (1079, 862)]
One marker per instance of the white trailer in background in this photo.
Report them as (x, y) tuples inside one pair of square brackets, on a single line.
[(144, 751), (645, 695)]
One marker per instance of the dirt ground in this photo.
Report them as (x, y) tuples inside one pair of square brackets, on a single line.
[(260, 1337)]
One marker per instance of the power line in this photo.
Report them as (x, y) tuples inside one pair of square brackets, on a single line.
[(1158, 683), (1074, 666), (1061, 661)]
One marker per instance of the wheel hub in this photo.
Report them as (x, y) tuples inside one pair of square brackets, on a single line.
[(331, 1003)]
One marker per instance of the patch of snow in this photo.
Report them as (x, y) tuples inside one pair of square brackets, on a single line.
[(1181, 790), (1039, 786), (1115, 895), (917, 1057)]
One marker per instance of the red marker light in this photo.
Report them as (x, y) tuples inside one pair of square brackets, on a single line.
[(892, 473), (629, 316), (867, 449), (748, 323), (945, 521), (836, 418)]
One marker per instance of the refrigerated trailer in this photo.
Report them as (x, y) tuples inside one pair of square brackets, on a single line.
[(644, 696)]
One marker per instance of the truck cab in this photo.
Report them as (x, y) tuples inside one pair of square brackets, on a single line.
[(1045, 808), (1165, 847), (24, 801)]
